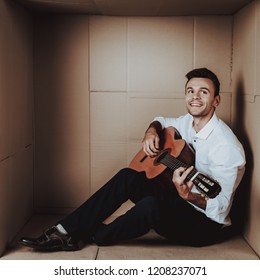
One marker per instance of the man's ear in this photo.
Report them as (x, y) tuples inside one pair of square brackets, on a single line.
[(216, 101)]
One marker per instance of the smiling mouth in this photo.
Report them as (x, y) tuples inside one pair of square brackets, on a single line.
[(195, 105)]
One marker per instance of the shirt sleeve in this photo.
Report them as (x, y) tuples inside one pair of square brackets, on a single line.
[(166, 122), (227, 167), (182, 123)]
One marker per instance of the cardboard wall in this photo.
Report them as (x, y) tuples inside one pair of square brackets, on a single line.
[(16, 120), (246, 112), (136, 68), (62, 152)]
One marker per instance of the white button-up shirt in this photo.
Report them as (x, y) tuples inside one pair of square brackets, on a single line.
[(219, 154)]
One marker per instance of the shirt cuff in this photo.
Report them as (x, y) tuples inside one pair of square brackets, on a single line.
[(212, 205)]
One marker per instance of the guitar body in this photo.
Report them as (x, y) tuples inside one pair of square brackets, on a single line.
[(170, 140)]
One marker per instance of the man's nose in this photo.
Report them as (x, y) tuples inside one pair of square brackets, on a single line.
[(196, 94)]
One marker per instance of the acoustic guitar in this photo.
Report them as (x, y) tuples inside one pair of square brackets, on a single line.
[(174, 153)]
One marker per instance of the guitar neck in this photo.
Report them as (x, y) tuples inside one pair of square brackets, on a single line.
[(173, 163)]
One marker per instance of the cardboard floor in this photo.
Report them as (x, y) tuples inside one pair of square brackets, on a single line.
[(149, 247)]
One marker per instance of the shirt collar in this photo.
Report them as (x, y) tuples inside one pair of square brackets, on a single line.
[(208, 128)]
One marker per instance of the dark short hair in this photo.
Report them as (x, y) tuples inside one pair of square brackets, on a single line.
[(204, 73)]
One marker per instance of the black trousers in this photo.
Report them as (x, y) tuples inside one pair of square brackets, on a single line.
[(157, 207)]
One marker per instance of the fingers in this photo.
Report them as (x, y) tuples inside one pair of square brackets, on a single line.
[(180, 175), (179, 179), (183, 172), (151, 145), (156, 143), (149, 148)]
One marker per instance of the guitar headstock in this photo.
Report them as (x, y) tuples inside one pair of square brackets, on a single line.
[(206, 185)]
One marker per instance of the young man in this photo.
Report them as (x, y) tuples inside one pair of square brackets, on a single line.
[(177, 210)]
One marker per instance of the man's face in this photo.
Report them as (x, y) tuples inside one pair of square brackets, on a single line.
[(200, 98)]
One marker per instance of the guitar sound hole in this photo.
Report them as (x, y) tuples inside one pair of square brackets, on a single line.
[(160, 157)]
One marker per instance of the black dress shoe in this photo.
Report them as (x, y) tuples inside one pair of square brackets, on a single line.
[(51, 240)]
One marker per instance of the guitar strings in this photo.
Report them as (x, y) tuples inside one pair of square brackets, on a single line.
[(173, 163)]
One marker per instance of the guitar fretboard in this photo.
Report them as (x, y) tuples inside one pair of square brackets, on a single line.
[(173, 163)]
